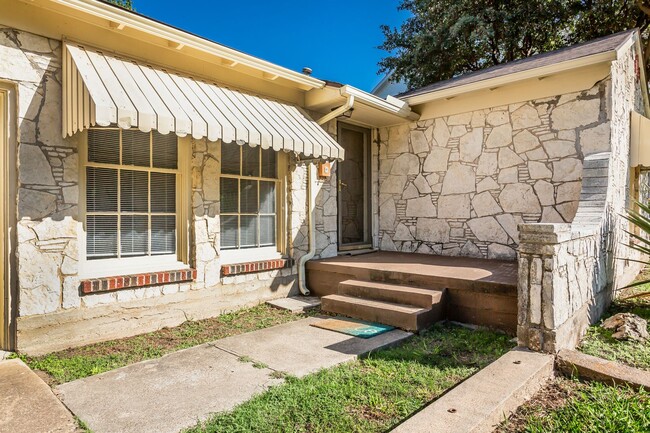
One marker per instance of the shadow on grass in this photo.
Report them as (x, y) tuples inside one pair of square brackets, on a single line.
[(372, 394), (599, 342)]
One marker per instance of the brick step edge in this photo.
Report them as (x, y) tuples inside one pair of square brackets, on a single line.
[(258, 266), (109, 284)]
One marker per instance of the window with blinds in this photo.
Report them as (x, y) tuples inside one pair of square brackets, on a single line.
[(248, 190), (131, 188)]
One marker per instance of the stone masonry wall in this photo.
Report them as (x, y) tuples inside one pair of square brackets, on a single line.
[(568, 273), (47, 251), (459, 185), (48, 227)]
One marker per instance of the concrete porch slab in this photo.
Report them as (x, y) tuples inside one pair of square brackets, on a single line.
[(28, 404), (300, 349), (481, 402), (174, 392), (296, 304)]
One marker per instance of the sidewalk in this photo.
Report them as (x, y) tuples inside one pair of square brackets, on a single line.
[(28, 404), (179, 389)]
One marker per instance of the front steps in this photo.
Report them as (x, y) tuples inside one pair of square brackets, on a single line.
[(409, 308)]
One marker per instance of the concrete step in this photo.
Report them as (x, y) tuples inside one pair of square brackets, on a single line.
[(408, 317), (481, 402), (391, 293)]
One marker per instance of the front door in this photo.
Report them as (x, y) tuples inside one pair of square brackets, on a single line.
[(354, 188)]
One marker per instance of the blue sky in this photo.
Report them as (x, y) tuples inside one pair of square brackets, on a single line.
[(338, 39)]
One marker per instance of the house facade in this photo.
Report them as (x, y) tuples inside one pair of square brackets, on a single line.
[(151, 176)]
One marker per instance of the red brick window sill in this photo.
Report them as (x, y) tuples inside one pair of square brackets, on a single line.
[(108, 284), (249, 267)]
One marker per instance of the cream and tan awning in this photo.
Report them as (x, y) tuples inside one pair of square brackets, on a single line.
[(103, 89)]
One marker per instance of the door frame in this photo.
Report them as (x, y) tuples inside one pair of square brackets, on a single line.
[(367, 188), (8, 154)]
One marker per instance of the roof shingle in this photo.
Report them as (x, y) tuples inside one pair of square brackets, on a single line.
[(596, 46)]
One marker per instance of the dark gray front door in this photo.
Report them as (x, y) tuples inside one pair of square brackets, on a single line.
[(354, 188)]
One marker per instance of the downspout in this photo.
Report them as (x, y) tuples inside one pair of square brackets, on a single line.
[(311, 199), (338, 112), (311, 205)]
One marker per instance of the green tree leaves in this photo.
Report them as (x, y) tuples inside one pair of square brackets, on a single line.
[(126, 4), (445, 38)]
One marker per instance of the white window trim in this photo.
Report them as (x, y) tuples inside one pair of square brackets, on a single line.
[(100, 268), (231, 256)]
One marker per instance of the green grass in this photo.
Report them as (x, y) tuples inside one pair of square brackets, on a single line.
[(569, 406), (97, 358), (599, 342), (368, 395)]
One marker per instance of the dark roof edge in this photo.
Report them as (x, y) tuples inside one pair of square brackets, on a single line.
[(433, 87)]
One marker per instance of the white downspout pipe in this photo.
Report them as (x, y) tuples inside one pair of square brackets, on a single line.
[(338, 112), (311, 206)]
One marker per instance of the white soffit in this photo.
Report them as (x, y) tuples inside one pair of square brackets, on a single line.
[(103, 89)]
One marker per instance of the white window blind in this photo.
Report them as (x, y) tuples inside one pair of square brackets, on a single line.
[(248, 195), (131, 191)]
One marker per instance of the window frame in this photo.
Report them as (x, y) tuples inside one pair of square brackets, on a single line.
[(250, 254), (97, 268)]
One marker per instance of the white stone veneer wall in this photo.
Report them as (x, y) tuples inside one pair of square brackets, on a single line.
[(568, 272), (459, 185), (49, 299)]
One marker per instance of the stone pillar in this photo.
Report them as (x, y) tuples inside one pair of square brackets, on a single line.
[(562, 282)]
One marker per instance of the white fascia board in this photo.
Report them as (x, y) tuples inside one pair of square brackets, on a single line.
[(543, 71), (150, 26), (401, 110), (636, 40)]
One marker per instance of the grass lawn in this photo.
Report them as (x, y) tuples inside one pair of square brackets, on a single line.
[(97, 358), (569, 406), (599, 342), (368, 395)]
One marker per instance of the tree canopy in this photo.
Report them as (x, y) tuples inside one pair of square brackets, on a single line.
[(126, 4), (444, 38)]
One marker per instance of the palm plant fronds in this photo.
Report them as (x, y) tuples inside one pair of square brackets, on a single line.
[(640, 219)]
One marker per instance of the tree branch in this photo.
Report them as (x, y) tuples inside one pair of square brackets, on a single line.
[(645, 9)]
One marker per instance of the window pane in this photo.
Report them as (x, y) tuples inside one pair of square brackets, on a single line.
[(134, 235), (165, 150), (163, 192), (104, 146), (229, 231), (248, 196), (163, 234), (230, 158), (135, 147), (135, 190), (269, 165), (267, 197), (267, 230), (101, 242), (248, 231), (228, 195), (101, 189), (250, 161)]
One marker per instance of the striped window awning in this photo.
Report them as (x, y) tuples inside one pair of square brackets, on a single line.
[(103, 89)]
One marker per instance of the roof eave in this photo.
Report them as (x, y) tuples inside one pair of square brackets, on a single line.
[(451, 92), (397, 107), (182, 38)]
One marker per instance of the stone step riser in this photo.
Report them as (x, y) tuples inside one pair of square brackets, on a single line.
[(387, 294), (384, 312), (398, 319)]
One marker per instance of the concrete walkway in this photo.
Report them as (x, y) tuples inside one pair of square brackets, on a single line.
[(481, 402), (177, 390), (27, 404)]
